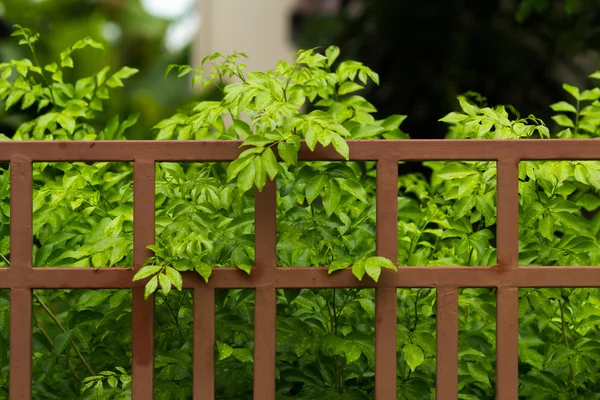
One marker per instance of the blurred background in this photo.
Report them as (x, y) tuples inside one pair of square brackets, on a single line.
[(514, 52)]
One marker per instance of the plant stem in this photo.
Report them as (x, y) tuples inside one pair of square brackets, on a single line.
[(416, 311), (57, 322), (333, 327), (564, 334), (577, 118), (175, 319), (49, 339)]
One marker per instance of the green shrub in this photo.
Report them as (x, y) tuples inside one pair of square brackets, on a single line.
[(325, 217)]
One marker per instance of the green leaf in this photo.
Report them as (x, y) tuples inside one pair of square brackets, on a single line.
[(150, 287), (165, 284), (572, 90), (486, 210), (349, 87), (467, 107), (546, 227), (563, 106), (463, 206), (241, 128), (383, 262), (175, 277), (270, 163), (364, 131), (113, 382), (468, 185), (245, 267), (243, 355), (352, 187), (331, 197), (340, 145), (237, 166), (288, 153), (61, 341), (455, 171), (563, 120), (373, 268), (478, 373), (332, 54), (454, 118), (260, 175), (257, 140), (116, 79), (413, 356), (589, 201), (204, 270), (315, 187), (147, 271), (358, 269), (352, 352), (225, 351), (337, 265), (393, 122), (246, 178), (312, 135)]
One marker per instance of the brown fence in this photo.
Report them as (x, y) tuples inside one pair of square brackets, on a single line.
[(21, 277)]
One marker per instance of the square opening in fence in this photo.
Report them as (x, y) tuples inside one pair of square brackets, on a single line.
[(326, 213), (559, 216), (82, 214), (416, 343), (326, 343), (173, 344), (234, 347), (202, 220), (81, 344), (447, 213), (559, 343), (477, 343), (4, 214), (4, 342)]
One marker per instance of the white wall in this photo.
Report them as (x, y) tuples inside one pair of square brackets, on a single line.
[(260, 28)]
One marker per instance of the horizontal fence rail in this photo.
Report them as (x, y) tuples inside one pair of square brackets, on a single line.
[(21, 277)]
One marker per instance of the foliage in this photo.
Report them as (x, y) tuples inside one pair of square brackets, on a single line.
[(264, 110), (131, 36), (82, 217)]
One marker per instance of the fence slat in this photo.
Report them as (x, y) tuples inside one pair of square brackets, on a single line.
[(204, 343), (507, 343), (447, 344), (507, 235), (264, 343), (20, 294), (296, 277), (142, 341), (385, 298), (265, 301), (507, 301), (20, 344), (370, 150)]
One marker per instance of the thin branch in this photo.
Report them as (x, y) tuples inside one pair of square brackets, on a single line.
[(57, 322)]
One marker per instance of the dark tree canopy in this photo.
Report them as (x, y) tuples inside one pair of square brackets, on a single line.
[(512, 52)]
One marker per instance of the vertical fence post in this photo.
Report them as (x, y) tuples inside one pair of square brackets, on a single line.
[(20, 296), (447, 343), (204, 343), (142, 342), (265, 301), (507, 307), (385, 297)]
